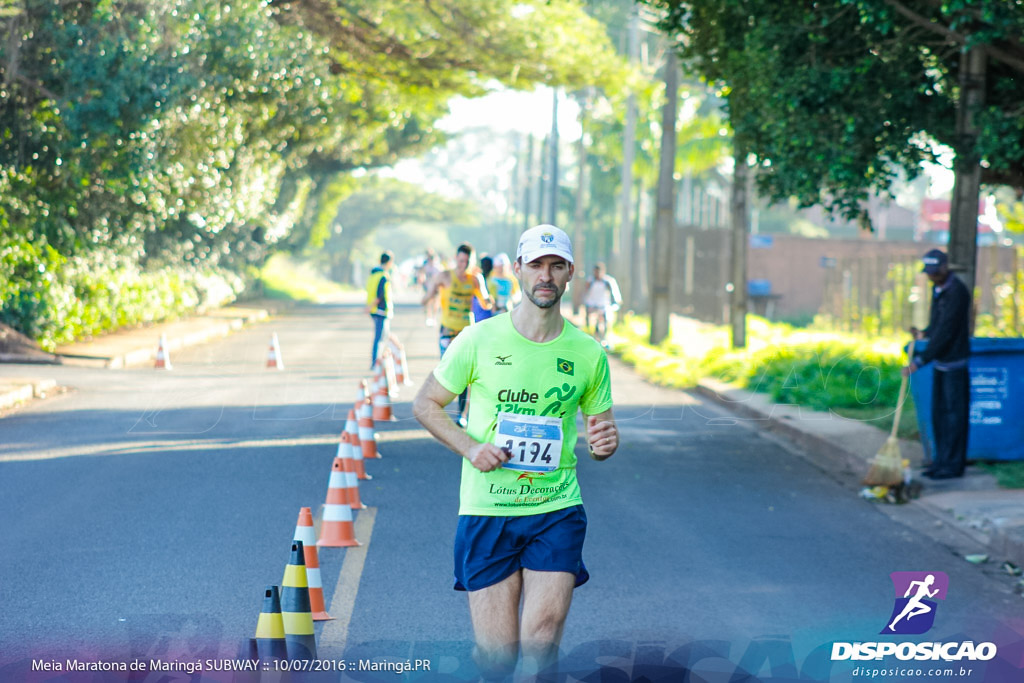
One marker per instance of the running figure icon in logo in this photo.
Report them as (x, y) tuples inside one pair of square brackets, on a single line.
[(916, 588)]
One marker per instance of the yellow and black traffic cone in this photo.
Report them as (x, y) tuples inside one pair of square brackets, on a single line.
[(270, 638), (300, 640)]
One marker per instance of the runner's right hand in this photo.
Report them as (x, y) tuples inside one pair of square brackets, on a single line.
[(487, 457)]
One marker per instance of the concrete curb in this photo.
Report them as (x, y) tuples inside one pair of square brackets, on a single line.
[(998, 528), (22, 391), (213, 325), (140, 347), (215, 330), (837, 458), (21, 359)]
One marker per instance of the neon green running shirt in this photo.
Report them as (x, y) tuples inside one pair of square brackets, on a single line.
[(509, 374)]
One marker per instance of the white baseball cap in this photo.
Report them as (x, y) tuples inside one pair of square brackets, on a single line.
[(544, 240), (502, 259)]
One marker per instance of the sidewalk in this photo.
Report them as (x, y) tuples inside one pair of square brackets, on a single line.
[(127, 348), (974, 503)]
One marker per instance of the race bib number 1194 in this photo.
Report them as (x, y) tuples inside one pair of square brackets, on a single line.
[(534, 442)]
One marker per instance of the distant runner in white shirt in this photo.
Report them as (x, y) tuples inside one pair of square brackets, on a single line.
[(602, 300)]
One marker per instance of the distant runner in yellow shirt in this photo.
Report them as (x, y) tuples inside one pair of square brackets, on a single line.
[(457, 287)]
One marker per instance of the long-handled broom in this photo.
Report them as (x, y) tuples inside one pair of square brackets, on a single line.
[(887, 465)]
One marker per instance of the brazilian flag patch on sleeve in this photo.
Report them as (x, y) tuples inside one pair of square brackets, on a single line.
[(565, 366)]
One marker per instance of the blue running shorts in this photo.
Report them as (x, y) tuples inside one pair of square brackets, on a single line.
[(490, 549)]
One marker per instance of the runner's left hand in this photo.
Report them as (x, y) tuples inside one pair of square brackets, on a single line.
[(602, 437)]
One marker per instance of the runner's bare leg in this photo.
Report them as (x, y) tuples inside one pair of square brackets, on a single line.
[(495, 614), (546, 600)]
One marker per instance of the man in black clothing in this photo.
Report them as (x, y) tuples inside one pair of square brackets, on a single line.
[(949, 345)]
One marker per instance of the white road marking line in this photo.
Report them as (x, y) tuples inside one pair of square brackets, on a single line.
[(335, 634)]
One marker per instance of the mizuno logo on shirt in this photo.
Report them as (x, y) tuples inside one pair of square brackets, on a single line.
[(503, 360)]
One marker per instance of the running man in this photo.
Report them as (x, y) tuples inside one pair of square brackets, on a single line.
[(379, 302), (480, 310), (425, 275), (519, 542), (914, 606), (503, 285), (457, 287), (602, 300)]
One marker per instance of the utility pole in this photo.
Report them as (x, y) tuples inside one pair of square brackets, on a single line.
[(738, 255), (553, 208), (513, 188), (542, 179), (661, 275), (578, 239), (623, 248), (638, 272), (528, 183), (963, 215)]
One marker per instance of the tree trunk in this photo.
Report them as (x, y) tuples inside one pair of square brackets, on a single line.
[(638, 269), (623, 252), (553, 206), (963, 215), (528, 183), (661, 276), (579, 244), (738, 299)]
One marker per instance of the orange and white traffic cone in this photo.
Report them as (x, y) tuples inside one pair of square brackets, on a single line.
[(163, 359), (382, 407), (401, 364), (337, 529), (378, 372), (367, 439), (299, 637), (362, 392), (274, 359), (350, 441), (304, 532), (390, 374), (351, 480)]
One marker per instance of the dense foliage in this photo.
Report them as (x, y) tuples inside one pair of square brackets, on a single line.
[(188, 137), (838, 97), (814, 368)]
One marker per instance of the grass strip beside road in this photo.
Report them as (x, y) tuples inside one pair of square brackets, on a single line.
[(285, 278), (1010, 475), (855, 377)]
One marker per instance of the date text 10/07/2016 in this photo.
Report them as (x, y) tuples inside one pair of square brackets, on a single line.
[(392, 666)]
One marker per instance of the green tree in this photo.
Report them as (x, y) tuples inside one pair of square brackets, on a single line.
[(375, 202), (839, 97)]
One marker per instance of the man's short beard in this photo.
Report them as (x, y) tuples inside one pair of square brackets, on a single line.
[(545, 304)]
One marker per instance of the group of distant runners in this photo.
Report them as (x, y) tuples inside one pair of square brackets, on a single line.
[(520, 373)]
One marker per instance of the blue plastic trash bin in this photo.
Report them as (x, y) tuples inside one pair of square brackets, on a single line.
[(997, 399)]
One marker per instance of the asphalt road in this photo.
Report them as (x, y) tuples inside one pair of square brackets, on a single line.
[(145, 511)]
